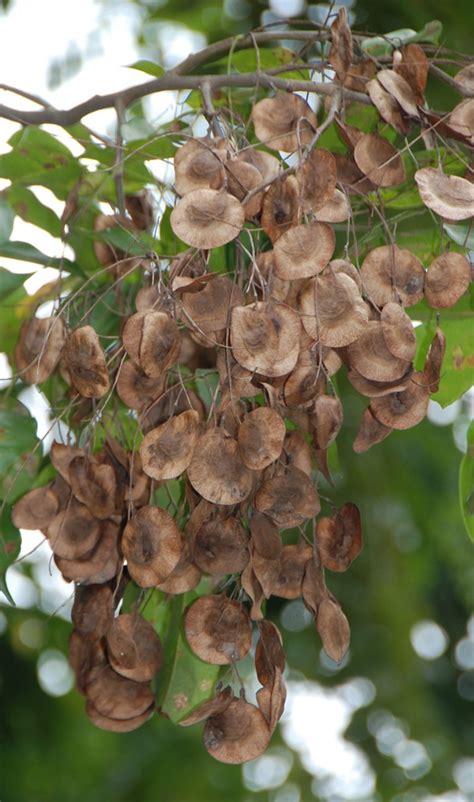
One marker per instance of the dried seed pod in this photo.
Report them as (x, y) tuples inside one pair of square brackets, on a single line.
[(238, 734), (434, 361), (461, 120), (343, 266), (168, 450), (93, 610), (116, 697), (39, 348), (371, 432), (394, 83), (267, 165), (388, 108), (184, 577), (135, 388), (36, 509), (252, 587), (115, 724), (465, 77), (212, 707), (217, 472), (333, 310), (133, 647), (390, 273), (405, 409), (289, 499), (293, 561), (316, 177), (336, 210), (97, 566), (271, 700), (85, 656), (206, 218), (140, 209), (218, 630), (94, 485), (326, 420), (414, 67), (261, 437), (152, 545), (242, 178), (209, 309), (350, 177), (339, 538), (447, 279), (85, 362), (152, 340), (373, 389), (265, 536), (303, 384), (333, 628), (314, 587), (284, 122), (265, 338), (379, 161), (269, 653), (73, 532), (398, 331), (199, 164), (62, 456), (303, 251), (370, 356), (341, 50), (220, 547), (281, 207), (298, 453), (450, 196)]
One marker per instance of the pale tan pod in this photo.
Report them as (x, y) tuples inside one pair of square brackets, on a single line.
[(260, 437), (370, 356), (405, 409), (450, 196), (168, 450), (85, 361), (199, 164), (38, 349), (284, 122), (398, 331), (336, 210), (238, 734), (388, 108), (303, 251), (447, 279), (396, 85), (379, 161), (217, 472), (265, 338), (390, 273), (207, 218), (218, 629), (333, 311)]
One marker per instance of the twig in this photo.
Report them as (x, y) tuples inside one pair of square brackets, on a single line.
[(448, 79)]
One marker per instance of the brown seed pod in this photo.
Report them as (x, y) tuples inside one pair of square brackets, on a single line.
[(209, 309), (284, 122), (135, 388), (85, 362), (152, 545), (152, 340), (350, 177), (108, 254), (379, 161), (373, 389), (199, 164), (360, 71), (267, 165), (298, 453), (269, 653), (36, 509), (168, 450), (450, 196), (316, 177), (94, 485), (39, 348), (73, 532), (371, 432), (114, 724), (303, 251), (336, 210), (265, 338), (218, 630), (293, 561), (281, 207), (343, 266), (84, 656), (265, 536), (140, 209), (333, 310), (271, 700), (184, 577), (434, 361), (414, 67), (212, 707), (447, 279), (390, 273), (238, 734), (289, 499), (398, 331), (93, 610), (269, 284), (133, 647), (207, 218), (465, 77), (339, 538), (220, 547), (461, 120), (370, 356), (394, 83), (242, 178), (314, 587), (260, 438), (341, 50), (326, 420), (97, 566), (405, 409), (388, 108), (252, 587), (62, 456), (116, 697), (217, 472), (333, 628)]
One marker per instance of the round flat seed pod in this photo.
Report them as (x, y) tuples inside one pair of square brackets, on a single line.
[(199, 164), (152, 545), (168, 450), (379, 161), (265, 338), (267, 165), (152, 340), (343, 266), (184, 577), (260, 438), (298, 453), (242, 178), (303, 384), (116, 697), (94, 485), (289, 582), (265, 536), (212, 707), (390, 273), (238, 734), (61, 457), (221, 547), (280, 207), (399, 88), (209, 309), (288, 499), (303, 251), (371, 432), (447, 279), (450, 196), (387, 107), (36, 509), (398, 331), (96, 566), (269, 652), (133, 647), (217, 472), (39, 348), (218, 630), (271, 286), (336, 210), (461, 119), (135, 388), (115, 724), (73, 532), (85, 362), (317, 179), (333, 628), (206, 218), (333, 310), (339, 538), (373, 389), (405, 409), (93, 610), (284, 122), (349, 175), (370, 356), (414, 67)]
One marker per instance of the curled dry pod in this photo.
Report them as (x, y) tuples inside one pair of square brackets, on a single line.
[(280, 207), (339, 538), (284, 122), (238, 734), (73, 532), (152, 340), (199, 164), (390, 273), (341, 50), (289, 498), (396, 85), (269, 653), (265, 536), (62, 456), (333, 310), (151, 544), (270, 284), (168, 450), (297, 452), (333, 628), (370, 356), (116, 697), (371, 432), (85, 656), (209, 309), (414, 67), (36, 509), (447, 279), (398, 331), (316, 177), (326, 420), (242, 178), (404, 409), (373, 389), (266, 573), (85, 362), (97, 566), (39, 347), (220, 547), (461, 119), (115, 724), (218, 630), (450, 196), (133, 647), (289, 581), (212, 707), (303, 251), (135, 388), (271, 700), (336, 210), (260, 438), (314, 587), (217, 472), (252, 587), (388, 108), (206, 218), (93, 610), (265, 338), (94, 485), (379, 161), (434, 361)]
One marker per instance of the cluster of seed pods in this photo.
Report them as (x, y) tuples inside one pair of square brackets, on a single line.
[(274, 332)]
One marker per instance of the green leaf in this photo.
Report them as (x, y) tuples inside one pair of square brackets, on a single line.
[(462, 235), (466, 483), (7, 218), (147, 66), (431, 33), (29, 208), (19, 461), (383, 45), (458, 365), (28, 253), (9, 282), (10, 543)]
